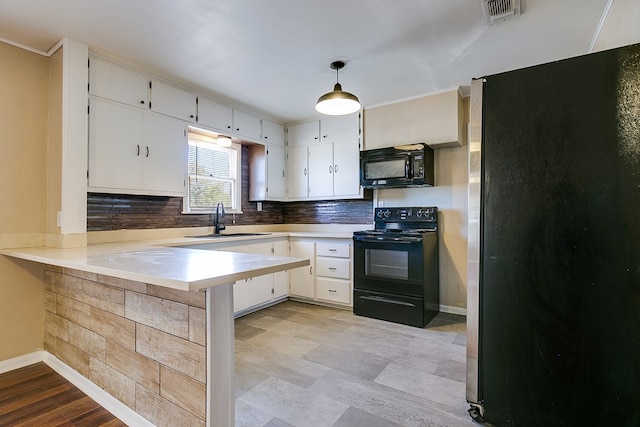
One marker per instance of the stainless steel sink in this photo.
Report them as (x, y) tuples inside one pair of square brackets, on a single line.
[(216, 236)]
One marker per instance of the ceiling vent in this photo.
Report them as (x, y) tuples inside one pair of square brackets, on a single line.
[(496, 10)]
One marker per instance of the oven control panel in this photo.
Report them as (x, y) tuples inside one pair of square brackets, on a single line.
[(422, 214)]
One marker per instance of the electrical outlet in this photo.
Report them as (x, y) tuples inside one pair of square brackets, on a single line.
[(259, 206), (59, 219)]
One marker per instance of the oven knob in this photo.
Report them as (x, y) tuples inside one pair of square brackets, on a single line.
[(380, 214), (387, 213), (419, 213)]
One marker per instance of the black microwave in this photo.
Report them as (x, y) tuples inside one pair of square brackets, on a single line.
[(399, 166)]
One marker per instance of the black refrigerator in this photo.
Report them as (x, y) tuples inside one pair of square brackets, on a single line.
[(554, 321)]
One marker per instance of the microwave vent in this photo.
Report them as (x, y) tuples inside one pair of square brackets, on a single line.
[(496, 10)]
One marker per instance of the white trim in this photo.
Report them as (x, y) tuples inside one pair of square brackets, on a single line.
[(21, 361), (220, 357), (110, 403), (453, 310), (23, 46)]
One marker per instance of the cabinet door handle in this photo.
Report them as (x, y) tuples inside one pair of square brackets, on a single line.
[(330, 169), (324, 136), (228, 126), (147, 151), (283, 173), (141, 102), (137, 149), (335, 168), (311, 270), (305, 171), (237, 129)]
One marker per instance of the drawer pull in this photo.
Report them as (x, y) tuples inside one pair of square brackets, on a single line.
[(332, 269), (333, 250), (332, 291)]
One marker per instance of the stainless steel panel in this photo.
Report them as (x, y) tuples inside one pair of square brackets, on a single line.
[(473, 246)]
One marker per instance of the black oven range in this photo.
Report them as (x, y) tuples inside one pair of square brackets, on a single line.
[(396, 266)]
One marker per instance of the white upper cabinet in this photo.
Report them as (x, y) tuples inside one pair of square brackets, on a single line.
[(111, 81), (303, 133), (326, 130), (133, 151), (321, 170), (334, 169), (215, 115), (276, 179), (346, 168), (172, 101), (297, 172), (115, 146), (272, 132), (247, 125), (437, 120), (165, 151), (333, 164), (340, 127)]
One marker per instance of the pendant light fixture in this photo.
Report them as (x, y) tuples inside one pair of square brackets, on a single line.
[(337, 102)]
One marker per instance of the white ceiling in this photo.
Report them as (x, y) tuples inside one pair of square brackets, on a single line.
[(273, 56)]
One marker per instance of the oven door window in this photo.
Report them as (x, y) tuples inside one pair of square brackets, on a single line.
[(386, 263), (389, 266)]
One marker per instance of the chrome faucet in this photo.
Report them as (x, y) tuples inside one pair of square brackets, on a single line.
[(217, 225)]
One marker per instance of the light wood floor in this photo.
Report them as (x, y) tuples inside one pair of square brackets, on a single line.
[(304, 365), (37, 396), (298, 365)]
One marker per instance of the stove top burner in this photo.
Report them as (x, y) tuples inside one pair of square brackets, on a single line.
[(397, 231)]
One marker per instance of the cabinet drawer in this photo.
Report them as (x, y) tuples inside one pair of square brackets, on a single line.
[(333, 290), (334, 267), (334, 249)]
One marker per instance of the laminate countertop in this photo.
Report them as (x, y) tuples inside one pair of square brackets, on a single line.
[(161, 263)]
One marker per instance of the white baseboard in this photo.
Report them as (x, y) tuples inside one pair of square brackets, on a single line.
[(110, 403), (21, 361), (453, 310)]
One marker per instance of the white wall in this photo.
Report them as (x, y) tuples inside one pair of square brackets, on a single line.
[(450, 196), (437, 118)]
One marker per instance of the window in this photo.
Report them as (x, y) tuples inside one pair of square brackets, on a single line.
[(213, 175)]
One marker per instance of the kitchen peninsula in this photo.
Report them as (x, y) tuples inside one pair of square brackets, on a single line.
[(162, 315)]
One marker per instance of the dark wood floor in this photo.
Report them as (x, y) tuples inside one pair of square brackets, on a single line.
[(38, 396)]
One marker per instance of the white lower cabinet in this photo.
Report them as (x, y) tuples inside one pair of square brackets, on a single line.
[(333, 290), (302, 280), (334, 266), (281, 278), (329, 279), (260, 290)]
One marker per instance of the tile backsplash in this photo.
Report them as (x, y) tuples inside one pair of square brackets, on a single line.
[(123, 211)]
